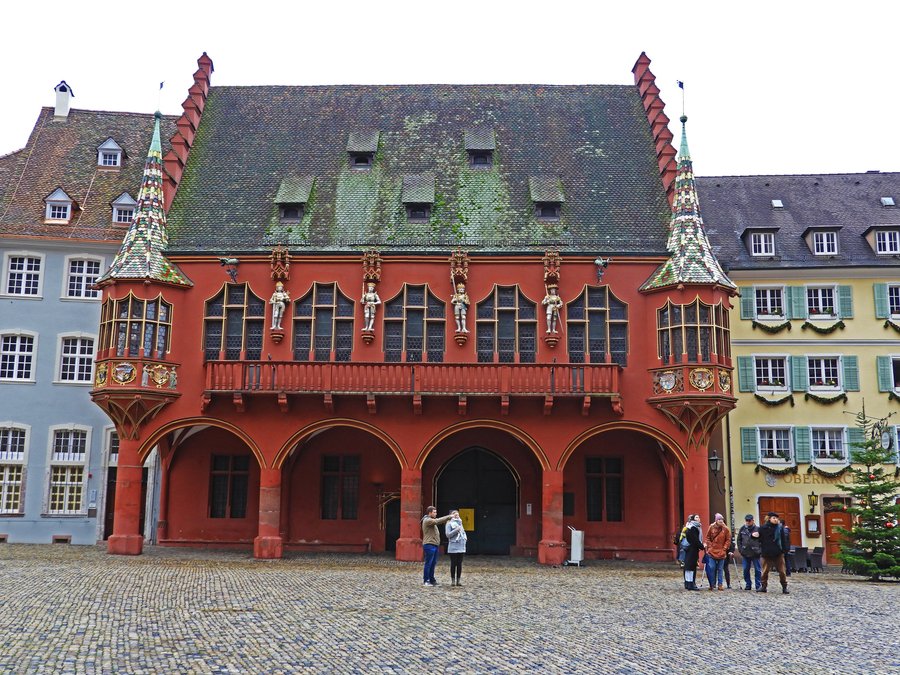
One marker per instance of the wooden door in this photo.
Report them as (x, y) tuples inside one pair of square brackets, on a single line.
[(833, 538), (789, 510)]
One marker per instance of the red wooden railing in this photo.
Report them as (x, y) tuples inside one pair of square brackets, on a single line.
[(413, 378)]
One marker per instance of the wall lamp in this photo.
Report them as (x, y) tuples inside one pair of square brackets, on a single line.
[(813, 499)]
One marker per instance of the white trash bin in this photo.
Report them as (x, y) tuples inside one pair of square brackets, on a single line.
[(576, 551)]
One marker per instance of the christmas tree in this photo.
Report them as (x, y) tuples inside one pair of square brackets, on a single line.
[(872, 546)]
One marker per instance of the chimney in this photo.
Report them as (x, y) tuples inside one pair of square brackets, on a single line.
[(64, 95)]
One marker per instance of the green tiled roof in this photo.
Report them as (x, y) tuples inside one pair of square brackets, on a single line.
[(294, 190), (141, 255), (418, 189), (594, 140), (692, 259), (362, 141), (481, 138), (545, 189)]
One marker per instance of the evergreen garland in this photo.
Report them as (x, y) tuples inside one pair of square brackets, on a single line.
[(776, 472), (777, 401), (893, 325), (825, 399), (871, 547), (824, 330), (773, 329), (828, 474)]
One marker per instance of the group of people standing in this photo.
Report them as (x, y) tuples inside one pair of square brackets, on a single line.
[(767, 544), (431, 540)]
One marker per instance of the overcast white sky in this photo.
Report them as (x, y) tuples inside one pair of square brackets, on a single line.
[(772, 87)]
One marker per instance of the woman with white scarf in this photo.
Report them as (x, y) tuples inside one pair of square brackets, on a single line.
[(691, 556), (456, 546)]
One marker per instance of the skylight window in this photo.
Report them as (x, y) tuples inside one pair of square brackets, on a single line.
[(887, 201), (777, 204)]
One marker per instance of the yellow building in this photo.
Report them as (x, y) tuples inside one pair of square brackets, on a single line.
[(815, 337)]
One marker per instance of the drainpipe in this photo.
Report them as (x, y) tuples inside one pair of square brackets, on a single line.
[(730, 478)]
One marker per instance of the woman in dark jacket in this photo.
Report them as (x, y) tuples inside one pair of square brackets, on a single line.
[(693, 553)]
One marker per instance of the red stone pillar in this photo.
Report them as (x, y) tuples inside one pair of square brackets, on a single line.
[(126, 538), (162, 527), (269, 543), (409, 545), (672, 520), (696, 484), (552, 547)]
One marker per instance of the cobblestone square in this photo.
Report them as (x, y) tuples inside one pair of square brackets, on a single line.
[(78, 610)]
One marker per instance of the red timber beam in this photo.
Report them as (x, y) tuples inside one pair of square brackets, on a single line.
[(645, 81), (187, 125)]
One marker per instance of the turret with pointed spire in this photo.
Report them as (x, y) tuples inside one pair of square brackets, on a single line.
[(141, 256), (692, 260)]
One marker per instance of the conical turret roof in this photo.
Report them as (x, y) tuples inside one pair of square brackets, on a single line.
[(141, 255), (692, 260)]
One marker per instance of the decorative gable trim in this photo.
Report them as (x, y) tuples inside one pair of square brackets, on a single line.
[(110, 154), (59, 206)]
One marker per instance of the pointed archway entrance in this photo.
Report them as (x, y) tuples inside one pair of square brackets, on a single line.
[(486, 491)]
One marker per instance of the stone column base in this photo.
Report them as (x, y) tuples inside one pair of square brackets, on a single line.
[(552, 552), (409, 550), (125, 544), (268, 548)]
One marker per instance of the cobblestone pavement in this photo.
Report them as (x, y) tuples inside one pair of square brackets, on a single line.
[(78, 610)]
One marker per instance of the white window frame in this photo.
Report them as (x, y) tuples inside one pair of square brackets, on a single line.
[(785, 461), (32, 377), (120, 217), (826, 429), (838, 380), (893, 289), (772, 388), (820, 304), (825, 242), (887, 242), (79, 357), (67, 463), (19, 461), (768, 291), (8, 257), (89, 294), (52, 217), (109, 159), (762, 244), (895, 380)]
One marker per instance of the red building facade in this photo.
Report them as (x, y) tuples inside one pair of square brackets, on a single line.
[(307, 429)]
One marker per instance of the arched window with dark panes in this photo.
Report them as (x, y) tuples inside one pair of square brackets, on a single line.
[(130, 324), (233, 324), (696, 331), (506, 327), (597, 327), (323, 325), (414, 326)]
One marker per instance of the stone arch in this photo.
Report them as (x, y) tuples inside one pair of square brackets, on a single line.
[(514, 431), (661, 437), (322, 425), (175, 425)]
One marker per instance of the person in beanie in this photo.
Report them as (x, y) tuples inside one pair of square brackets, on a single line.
[(718, 541), (692, 554), (431, 539), (750, 549), (456, 546), (771, 541)]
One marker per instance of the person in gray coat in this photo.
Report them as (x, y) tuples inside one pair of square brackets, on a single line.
[(456, 546)]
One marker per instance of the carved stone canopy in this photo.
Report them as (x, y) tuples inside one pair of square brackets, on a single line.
[(552, 265), (459, 267), (281, 264), (371, 262)]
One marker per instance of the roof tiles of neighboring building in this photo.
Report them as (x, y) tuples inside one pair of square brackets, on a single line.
[(732, 205), (62, 153), (595, 139)]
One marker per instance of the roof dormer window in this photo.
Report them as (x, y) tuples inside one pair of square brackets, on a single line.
[(123, 209), (418, 196), (887, 242), (58, 207), (547, 197), (109, 154), (361, 147), (762, 244), (292, 198), (480, 145), (887, 201)]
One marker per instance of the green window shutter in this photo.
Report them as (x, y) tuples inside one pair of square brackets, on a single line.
[(802, 444), (749, 445), (746, 375), (885, 373), (748, 302), (845, 302), (855, 438), (796, 302), (799, 376), (881, 301), (851, 373)]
